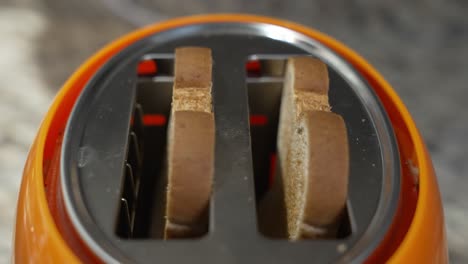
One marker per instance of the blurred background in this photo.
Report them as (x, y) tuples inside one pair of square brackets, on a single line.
[(420, 47)]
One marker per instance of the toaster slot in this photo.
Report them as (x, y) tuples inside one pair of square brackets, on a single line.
[(141, 206), (265, 79)]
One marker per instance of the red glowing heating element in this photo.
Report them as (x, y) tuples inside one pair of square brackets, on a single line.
[(147, 67), (271, 175), (258, 120), (154, 120), (253, 68)]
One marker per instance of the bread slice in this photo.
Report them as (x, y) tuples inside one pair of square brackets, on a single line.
[(312, 151), (190, 151)]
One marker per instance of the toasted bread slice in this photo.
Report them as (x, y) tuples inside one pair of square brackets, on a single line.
[(313, 152), (190, 151)]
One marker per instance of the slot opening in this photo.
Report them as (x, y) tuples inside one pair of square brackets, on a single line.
[(142, 203), (140, 213), (264, 84)]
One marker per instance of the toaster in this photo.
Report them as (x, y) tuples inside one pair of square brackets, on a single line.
[(91, 183)]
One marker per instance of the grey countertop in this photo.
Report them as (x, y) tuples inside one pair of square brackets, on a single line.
[(421, 48)]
